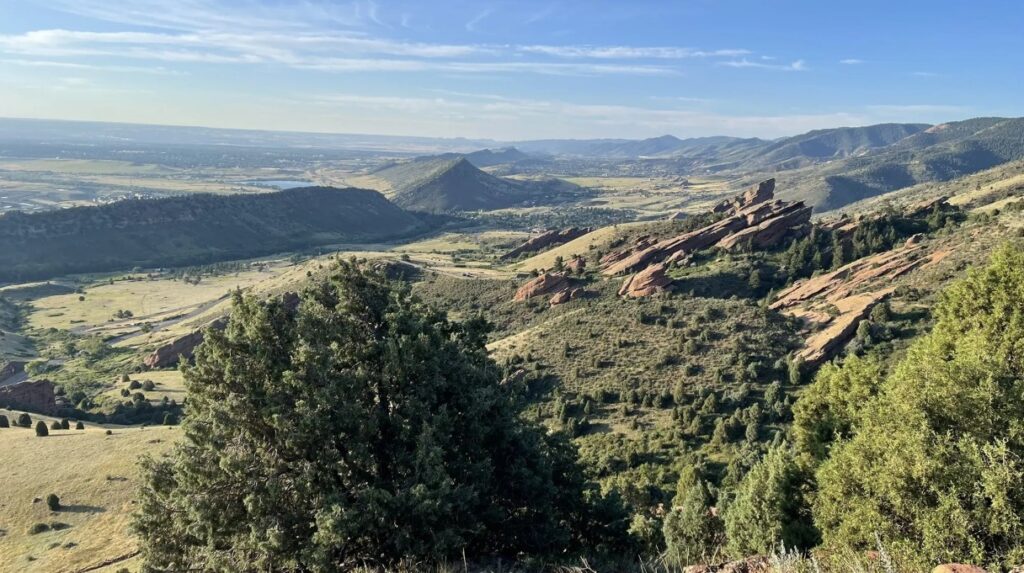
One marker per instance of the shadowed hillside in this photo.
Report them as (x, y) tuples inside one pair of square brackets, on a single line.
[(189, 230)]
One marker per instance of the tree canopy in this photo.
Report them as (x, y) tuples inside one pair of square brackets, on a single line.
[(357, 427)]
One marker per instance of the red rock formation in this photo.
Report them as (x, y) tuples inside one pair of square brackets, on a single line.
[(171, 353), (824, 344), (763, 191), (557, 285), (546, 240), (545, 284), (32, 396), (702, 238), (770, 231), (560, 297), (576, 265), (957, 568), (646, 282)]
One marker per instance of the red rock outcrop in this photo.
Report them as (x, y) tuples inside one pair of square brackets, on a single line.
[(824, 344), (957, 568), (170, 354), (754, 215), (853, 289), (770, 231), (32, 396), (576, 265), (545, 284), (646, 282), (546, 240), (759, 193), (559, 286)]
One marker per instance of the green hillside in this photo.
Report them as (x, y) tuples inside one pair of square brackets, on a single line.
[(193, 230), (937, 154)]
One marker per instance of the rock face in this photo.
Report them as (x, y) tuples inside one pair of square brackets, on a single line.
[(769, 232), (11, 368), (646, 282), (763, 191), (32, 396), (171, 353), (765, 223), (853, 289), (560, 287), (545, 284), (957, 568), (577, 265), (546, 240)]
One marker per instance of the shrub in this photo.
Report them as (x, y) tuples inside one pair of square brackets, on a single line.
[(693, 533), (134, 385), (769, 508), (148, 386), (53, 502), (38, 528), (55, 425), (934, 463), (4, 422), (24, 420), (79, 425), (41, 430), (65, 424)]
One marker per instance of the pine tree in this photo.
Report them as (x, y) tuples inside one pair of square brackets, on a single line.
[(41, 430), (363, 428)]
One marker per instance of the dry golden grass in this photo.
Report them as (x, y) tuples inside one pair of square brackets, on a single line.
[(96, 477)]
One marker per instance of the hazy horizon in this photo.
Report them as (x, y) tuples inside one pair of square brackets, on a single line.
[(529, 70)]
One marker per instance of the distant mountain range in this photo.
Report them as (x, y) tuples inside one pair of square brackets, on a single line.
[(829, 168), (193, 229)]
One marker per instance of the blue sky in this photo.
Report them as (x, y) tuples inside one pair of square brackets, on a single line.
[(513, 70)]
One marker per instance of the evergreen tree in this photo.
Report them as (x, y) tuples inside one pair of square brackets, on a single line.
[(692, 531), (934, 466), (769, 507), (361, 427), (4, 422), (41, 430)]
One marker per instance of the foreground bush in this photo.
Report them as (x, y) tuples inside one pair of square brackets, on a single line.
[(935, 465), (359, 428)]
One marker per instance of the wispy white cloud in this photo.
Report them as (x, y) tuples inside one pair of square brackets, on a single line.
[(161, 71), (473, 25), (629, 52), (851, 61), (795, 66), (926, 74)]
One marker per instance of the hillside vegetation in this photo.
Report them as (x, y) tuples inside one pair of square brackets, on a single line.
[(193, 230)]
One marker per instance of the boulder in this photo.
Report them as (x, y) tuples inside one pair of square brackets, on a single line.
[(957, 568), (560, 297), (646, 282), (32, 396), (545, 284), (759, 193), (170, 354), (546, 240)]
